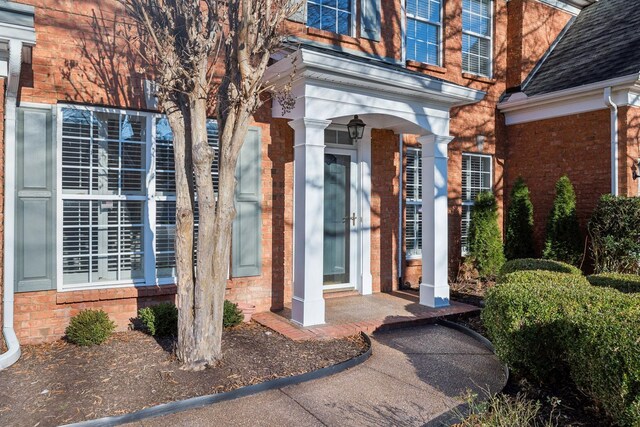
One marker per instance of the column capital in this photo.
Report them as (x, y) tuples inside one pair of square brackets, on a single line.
[(435, 145), (309, 123), (435, 139)]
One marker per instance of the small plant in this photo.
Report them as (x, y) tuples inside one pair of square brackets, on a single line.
[(501, 410), (485, 242), (232, 314), (90, 327), (563, 241), (519, 235), (160, 320)]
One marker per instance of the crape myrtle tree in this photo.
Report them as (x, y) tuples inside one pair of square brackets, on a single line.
[(206, 54)]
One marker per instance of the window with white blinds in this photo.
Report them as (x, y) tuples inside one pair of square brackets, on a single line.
[(413, 208), (476, 178), (477, 30), (117, 197), (330, 15), (424, 23)]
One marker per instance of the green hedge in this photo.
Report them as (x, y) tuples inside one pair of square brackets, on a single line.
[(563, 241), (486, 251), (519, 235), (526, 264), (614, 229), (160, 320), (627, 283), (555, 326)]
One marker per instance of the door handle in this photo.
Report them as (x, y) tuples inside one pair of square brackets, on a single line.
[(353, 219)]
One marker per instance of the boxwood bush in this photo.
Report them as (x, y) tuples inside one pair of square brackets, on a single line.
[(90, 327), (525, 264), (232, 314), (486, 251), (160, 320), (614, 229), (627, 283), (556, 326)]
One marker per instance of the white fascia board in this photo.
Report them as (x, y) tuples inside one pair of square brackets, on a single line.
[(522, 109), (567, 6), (26, 35), (332, 68)]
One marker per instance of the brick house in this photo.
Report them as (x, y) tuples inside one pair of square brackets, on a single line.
[(448, 90)]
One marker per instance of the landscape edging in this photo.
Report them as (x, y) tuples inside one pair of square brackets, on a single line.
[(201, 401)]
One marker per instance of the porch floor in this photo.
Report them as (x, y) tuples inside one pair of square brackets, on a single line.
[(346, 316)]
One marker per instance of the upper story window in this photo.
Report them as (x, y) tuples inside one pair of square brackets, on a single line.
[(476, 178), (477, 31), (424, 23), (330, 15)]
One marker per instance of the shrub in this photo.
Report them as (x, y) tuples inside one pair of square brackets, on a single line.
[(615, 235), (485, 242), (627, 283), (232, 314), (526, 264), (563, 241), (90, 327), (519, 235), (160, 320), (553, 325)]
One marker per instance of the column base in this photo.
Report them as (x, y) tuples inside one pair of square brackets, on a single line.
[(434, 296), (306, 312)]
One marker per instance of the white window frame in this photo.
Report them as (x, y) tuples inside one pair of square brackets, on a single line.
[(426, 21), (482, 36), (149, 200), (470, 203), (411, 151), (352, 24)]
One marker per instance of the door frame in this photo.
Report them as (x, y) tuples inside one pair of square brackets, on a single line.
[(355, 231)]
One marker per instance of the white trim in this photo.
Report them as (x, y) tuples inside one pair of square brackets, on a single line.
[(566, 6), (13, 345), (520, 108)]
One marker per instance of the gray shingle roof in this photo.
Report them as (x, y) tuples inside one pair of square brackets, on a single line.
[(603, 43)]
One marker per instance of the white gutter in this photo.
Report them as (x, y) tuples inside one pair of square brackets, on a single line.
[(608, 100), (15, 58)]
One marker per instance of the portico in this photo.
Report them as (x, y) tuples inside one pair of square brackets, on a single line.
[(332, 176)]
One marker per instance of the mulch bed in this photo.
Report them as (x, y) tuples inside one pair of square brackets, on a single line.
[(61, 383), (574, 409)]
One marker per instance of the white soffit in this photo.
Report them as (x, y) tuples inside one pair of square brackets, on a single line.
[(522, 109), (570, 6)]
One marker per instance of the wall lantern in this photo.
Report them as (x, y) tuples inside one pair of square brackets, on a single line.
[(356, 129), (480, 140)]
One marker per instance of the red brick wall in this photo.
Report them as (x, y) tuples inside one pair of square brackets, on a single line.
[(543, 151)]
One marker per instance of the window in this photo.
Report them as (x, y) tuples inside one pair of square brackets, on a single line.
[(423, 30), (118, 202), (476, 37), (476, 178), (413, 209), (330, 15), (337, 137)]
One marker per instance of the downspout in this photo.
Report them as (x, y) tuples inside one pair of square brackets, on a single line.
[(608, 100), (400, 211), (11, 340)]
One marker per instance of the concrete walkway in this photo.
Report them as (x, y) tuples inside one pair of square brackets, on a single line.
[(414, 377)]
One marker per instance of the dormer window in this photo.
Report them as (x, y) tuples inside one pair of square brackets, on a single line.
[(424, 29), (330, 15)]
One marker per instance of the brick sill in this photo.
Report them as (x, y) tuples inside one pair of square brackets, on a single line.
[(333, 36), (414, 262), (479, 78), (426, 67), (114, 294)]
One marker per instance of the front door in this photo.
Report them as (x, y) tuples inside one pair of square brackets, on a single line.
[(341, 220)]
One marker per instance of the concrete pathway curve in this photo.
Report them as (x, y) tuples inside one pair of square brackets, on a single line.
[(414, 377)]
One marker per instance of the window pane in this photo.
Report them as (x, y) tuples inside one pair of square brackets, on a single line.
[(476, 38), (330, 15), (423, 38), (413, 211)]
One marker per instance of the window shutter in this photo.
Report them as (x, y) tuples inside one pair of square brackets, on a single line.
[(35, 232), (370, 12), (300, 15), (247, 226)]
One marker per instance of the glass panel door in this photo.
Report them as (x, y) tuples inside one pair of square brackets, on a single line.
[(339, 215)]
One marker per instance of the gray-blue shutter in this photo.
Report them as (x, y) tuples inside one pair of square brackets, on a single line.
[(247, 226), (300, 15), (35, 225), (370, 11)]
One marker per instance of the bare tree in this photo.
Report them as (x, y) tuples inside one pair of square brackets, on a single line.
[(184, 42)]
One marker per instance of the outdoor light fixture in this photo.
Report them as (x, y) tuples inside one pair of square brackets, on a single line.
[(356, 128), (634, 170), (480, 139)]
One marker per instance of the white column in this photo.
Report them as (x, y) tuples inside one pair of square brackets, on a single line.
[(434, 289), (364, 150), (307, 307)]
